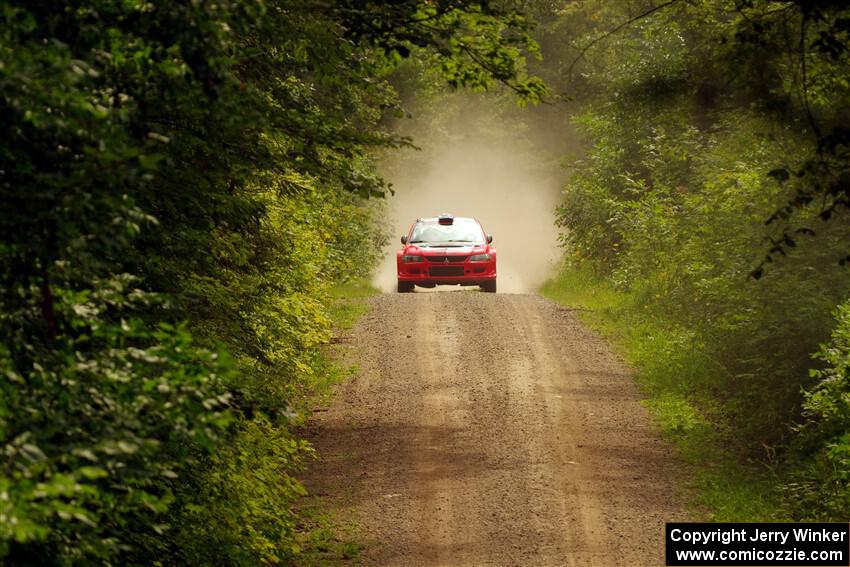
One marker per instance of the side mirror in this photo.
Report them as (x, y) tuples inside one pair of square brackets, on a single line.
[(489, 239), (404, 240)]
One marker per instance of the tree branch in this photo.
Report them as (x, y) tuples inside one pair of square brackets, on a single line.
[(609, 33), (805, 84)]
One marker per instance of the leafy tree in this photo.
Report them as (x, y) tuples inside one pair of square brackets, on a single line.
[(716, 145), (184, 180), (820, 485)]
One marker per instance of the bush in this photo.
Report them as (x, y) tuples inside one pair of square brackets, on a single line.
[(820, 487), (98, 429), (221, 153)]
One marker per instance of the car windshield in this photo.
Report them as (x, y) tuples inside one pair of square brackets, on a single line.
[(461, 233)]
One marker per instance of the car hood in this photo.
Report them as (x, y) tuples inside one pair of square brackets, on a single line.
[(445, 250)]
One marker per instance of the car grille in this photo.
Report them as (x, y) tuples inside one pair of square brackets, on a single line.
[(443, 259), (446, 270)]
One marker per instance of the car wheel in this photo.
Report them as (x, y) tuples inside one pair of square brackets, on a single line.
[(489, 287), (405, 287)]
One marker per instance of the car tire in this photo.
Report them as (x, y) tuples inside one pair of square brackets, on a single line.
[(405, 287), (489, 287)]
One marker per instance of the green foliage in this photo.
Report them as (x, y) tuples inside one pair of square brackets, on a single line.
[(348, 305), (238, 506), (820, 486), (100, 426), (685, 241), (677, 379), (221, 153), (330, 542), (701, 121)]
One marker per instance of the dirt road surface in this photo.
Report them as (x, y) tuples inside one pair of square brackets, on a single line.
[(492, 430)]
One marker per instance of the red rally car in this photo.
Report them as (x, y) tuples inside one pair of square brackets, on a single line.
[(446, 250)]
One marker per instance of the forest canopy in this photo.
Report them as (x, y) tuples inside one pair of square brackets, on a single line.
[(713, 197), (182, 182)]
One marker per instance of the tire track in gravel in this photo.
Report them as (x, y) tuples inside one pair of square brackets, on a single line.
[(492, 430)]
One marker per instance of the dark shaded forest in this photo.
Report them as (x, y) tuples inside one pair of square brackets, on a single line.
[(184, 183), (711, 204)]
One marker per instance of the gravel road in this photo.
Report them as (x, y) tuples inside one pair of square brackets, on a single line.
[(492, 430)]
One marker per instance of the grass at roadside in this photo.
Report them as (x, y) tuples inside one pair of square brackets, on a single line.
[(348, 302), (675, 377), (327, 538), (328, 541)]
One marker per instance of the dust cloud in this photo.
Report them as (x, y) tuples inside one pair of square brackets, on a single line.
[(475, 167)]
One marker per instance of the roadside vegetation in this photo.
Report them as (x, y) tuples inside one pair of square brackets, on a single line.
[(191, 204), (706, 227), (184, 183), (728, 485)]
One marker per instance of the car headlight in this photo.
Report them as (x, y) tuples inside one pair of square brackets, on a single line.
[(479, 257), (411, 258)]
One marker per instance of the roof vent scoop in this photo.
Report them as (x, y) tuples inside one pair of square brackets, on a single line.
[(446, 218)]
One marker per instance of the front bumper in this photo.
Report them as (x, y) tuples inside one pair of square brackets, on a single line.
[(429, 273)]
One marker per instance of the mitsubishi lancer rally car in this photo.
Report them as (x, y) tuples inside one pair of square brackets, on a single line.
[(446, 250)]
